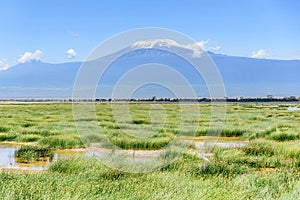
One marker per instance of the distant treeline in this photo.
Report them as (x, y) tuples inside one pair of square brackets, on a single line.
[(166, 100)]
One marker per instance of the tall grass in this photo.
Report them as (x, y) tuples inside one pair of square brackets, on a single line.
[(266, 168), (224, 133), (52, 124), (258, 149), (4, 129), (61, 142), (284, 137), (27, 154), (86, 178)]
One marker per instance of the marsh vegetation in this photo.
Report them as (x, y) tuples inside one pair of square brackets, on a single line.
[(266, 167)]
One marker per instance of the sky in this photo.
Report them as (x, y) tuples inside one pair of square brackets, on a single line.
[(59, 31)]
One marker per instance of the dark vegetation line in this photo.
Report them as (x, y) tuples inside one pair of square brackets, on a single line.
[(164, 100)]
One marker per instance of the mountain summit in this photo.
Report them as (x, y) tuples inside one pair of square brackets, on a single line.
[(197, 47), (147, 44)]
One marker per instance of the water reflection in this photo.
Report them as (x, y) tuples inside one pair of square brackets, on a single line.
[(8, 160), (290, 108)]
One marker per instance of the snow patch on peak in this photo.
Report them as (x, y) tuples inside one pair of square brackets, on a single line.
[(196, 47), (149, 44)]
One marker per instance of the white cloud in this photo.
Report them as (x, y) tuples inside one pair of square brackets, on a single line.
[(28, 56), (197, 47), (262, 53), (3, 65), (71, 53)]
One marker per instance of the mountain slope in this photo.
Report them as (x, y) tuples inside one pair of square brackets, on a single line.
[(241, 76)]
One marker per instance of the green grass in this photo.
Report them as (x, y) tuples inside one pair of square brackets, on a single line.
[(268, 167), (8, 137), (52, 124), (222, 133), (186, 178), (259, 148), (29, 138), (4, 129), (60, 142), (284, 137), (28, 154)]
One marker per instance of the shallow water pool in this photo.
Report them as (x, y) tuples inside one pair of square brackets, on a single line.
[(8, 160)]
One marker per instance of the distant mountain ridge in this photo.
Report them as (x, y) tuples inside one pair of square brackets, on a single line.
[(242, 76)]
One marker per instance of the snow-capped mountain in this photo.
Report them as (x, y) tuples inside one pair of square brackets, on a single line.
[(242, 76)]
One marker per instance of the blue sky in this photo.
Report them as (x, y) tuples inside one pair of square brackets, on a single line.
[(48, 29)]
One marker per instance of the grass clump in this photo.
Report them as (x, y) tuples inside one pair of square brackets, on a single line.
[(27, 154), (42, 133), (140, 121), (125, 141), (266, 132), (87, 166), (140, 144), (259, 149), (27, 124), (223, 133), (29, 138), (281, 137), (8, 137), (87, 178), (4, 129), (263, 169), (60, 142), (232, 133), (219, 169)]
